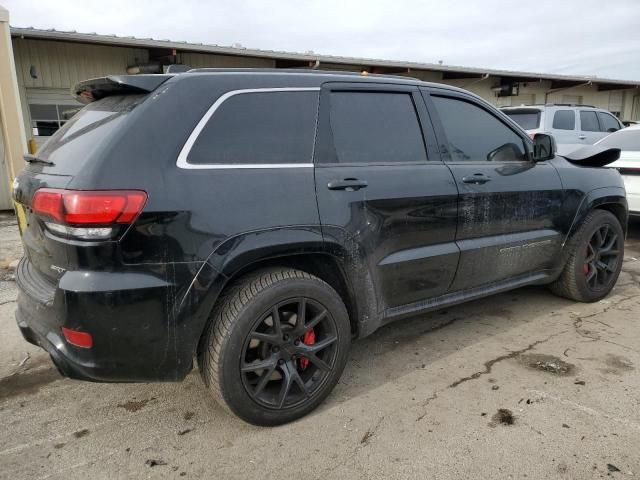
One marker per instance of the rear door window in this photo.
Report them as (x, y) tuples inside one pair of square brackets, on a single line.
[(589, 121), (270, 127), (476, 135), (608, 123), (564, 120), (375, 127)]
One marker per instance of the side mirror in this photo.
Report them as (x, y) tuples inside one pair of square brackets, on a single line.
[(544, 147)]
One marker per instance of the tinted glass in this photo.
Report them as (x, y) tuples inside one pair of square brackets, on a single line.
[(564, 120), (371, 127), (475, 134), (71, 146), (608, 123), (261, 127), (529, 120), (625, 140), (589, 122)]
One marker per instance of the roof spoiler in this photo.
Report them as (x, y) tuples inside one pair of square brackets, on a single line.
[(96, 88), (593, 156)]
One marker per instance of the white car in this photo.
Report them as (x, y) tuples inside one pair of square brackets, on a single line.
[(628, 141)]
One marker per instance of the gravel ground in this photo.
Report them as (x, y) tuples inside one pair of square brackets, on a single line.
[(520, 385)]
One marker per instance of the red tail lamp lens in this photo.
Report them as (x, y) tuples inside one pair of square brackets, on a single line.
[(77, 207), (79, 339)]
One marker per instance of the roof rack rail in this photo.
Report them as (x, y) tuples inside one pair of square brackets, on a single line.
[(569, 105), (297, 70)]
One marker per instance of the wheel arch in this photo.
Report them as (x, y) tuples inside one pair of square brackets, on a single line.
[(611, 199)]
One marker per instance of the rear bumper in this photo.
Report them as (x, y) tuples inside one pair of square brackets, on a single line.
[(55, 346), (139, 332)]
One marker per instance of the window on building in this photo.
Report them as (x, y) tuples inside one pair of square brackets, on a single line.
[(608, 123), (376, 127), (47, 119), (259, 128), (474, 134), (589, 121), (564, 120)]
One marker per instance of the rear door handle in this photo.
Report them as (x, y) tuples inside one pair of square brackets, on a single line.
[(476, 179), (348, 184)]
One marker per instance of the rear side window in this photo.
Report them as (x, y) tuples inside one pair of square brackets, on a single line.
[(589, 121), (259, 128), (564, 120), (529, 119), (374, 127), (475, 135), (608, 123)]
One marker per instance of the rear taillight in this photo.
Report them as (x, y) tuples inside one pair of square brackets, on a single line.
[(87, 214)]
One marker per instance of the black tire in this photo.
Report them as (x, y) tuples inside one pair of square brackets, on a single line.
[(577, 280), (244, 334)]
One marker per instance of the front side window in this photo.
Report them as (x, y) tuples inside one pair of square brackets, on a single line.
[(564, 120), (259, 128), (476, 135), (608, 123), (375, 127), (589, 121)]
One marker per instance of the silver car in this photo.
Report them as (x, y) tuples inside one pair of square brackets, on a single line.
[(573, 126)]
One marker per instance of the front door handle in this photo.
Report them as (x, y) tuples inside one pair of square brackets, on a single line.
[(476, 179), (582, 137), (348, 184)]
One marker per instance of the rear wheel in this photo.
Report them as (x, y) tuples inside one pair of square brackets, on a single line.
[(595, 259), (276, 347)]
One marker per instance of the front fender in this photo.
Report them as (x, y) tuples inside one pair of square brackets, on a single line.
[(597, 198)]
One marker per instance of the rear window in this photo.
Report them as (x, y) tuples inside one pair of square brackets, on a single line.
[(88, 130), (259, 128), (564, 120), (625, 140), (589, 121), (529, 118)]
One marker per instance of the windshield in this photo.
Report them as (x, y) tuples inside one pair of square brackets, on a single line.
[(625, 140), (88, 130), (528, 118)]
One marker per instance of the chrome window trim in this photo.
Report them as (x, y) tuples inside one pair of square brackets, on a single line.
[(184, 153)]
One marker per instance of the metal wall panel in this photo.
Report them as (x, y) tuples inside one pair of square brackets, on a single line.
[(202, 60), (63, 64)]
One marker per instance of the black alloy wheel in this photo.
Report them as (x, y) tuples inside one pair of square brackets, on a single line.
[(602, 257), (289, 353)]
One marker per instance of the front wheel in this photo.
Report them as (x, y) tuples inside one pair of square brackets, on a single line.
[(276, 347), (595, 259)]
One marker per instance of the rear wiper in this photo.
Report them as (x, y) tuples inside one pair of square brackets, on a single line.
[(33, 159)]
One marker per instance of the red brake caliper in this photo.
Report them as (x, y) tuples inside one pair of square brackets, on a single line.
[(309, 338)]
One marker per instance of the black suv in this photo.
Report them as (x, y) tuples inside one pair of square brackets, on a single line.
[(259, 221)]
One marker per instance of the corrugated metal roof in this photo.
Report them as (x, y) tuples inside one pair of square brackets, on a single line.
[(73, 36)]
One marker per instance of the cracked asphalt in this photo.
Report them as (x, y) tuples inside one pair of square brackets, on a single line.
[(520, 385)]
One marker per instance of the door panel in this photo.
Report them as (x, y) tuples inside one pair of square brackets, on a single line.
[(402, 224), (509, 207), (381, 194), (509, 225)]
